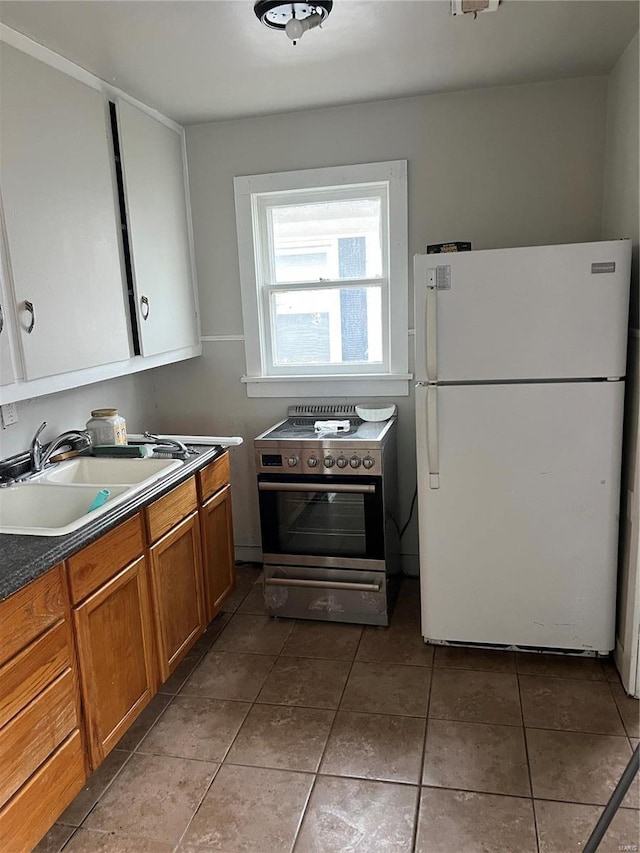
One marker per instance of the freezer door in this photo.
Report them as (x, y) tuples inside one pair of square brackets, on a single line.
[(543, 312), (518, 538)]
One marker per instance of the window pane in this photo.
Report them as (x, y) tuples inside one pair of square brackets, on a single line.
[(330, 326), (327, 240)]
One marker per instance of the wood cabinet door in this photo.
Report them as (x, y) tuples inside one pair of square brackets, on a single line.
[(176, 588), (218, 553), (154, 186), (115, 650), (61, 219)]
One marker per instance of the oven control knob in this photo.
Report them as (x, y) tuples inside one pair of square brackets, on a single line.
[(329, 461), (354, 461), (368, 461), (312, 462), (341, 462), (292, 461)]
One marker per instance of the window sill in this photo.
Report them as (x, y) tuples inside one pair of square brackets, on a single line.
[(323, 385)]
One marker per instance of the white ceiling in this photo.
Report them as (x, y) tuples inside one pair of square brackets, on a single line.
[(212, 59)]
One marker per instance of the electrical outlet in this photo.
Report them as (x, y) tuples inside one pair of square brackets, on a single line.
[(9, 414)]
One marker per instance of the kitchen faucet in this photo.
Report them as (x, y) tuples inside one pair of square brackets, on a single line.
[(39, 457)]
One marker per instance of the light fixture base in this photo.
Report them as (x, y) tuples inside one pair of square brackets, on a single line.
[(473, 7)]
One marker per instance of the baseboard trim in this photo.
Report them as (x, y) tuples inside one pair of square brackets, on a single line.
[(248, 553)]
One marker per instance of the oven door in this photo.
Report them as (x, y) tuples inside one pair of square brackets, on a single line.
[(322, 521)]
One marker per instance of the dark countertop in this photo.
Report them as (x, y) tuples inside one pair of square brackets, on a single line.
[(24, 558)]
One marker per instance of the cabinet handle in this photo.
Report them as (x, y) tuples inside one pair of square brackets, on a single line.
[(28, 306), (1, 320), (318, 584), (144, 307)]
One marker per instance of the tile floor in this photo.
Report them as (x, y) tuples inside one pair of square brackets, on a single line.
[(300, 736)]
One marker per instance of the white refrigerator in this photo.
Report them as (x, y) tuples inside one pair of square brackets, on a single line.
[(520, 363)]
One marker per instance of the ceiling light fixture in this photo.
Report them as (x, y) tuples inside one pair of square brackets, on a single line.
[(294, 18)]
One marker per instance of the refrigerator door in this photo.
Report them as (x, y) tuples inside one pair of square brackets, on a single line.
[(519, 532), (543, 312)]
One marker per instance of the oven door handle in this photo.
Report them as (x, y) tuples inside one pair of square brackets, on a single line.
[(363, 587), (354, 488)]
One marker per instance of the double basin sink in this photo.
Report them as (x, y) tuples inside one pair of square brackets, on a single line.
[(58, 500)]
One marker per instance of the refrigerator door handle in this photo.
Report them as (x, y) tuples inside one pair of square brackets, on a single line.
[(431, 326), (433, 452)]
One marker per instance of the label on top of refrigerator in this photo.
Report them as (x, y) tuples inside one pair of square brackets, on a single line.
[(604, 266), (443, 278)]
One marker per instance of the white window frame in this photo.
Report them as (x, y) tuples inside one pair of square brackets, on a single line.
[(388, 379)]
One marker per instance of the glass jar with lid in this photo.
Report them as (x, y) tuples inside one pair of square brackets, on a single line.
[(106, 426)]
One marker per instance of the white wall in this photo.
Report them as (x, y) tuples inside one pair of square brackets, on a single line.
[(620, 218), (133, 396), (501, 167), (620, 203)]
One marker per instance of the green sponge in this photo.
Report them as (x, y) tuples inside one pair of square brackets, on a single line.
[(127, 451)]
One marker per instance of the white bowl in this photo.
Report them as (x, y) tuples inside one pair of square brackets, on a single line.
[(371, 412)]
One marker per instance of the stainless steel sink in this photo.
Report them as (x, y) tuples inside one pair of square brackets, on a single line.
[(37, 509), (57, 501)]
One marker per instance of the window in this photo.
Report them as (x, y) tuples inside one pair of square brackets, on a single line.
[(323, 267)]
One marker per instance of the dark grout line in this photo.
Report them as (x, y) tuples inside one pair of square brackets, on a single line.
[(590, 805), (526, 752), (574, 732), (197, 808), (343, 710), (624, 725), (108, 786), (75, 829), (478, 791), (416, 817)]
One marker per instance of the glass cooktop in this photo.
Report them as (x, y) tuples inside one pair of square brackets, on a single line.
[(338, 429)]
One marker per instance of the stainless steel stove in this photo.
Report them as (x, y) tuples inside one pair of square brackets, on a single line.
[(327, 492)]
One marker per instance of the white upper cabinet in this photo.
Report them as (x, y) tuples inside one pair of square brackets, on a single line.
[(61, 219), (7, 372), (154, 183)]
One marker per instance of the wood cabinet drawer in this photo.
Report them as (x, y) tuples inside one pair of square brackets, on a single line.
[(166, 512), (29, 612), (93, 566), (26, 817), (214, 477), (26, 674), (30, 738)]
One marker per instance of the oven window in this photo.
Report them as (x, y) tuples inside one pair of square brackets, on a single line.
[(322, 522)]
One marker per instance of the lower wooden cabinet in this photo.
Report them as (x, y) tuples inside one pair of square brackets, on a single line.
[(115, 649), (176, 589), (41, 800), (218, 553), (136, 600), (42, 755)]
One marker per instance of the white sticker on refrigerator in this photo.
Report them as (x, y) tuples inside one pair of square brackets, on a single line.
[(604, 266), (443, 278)]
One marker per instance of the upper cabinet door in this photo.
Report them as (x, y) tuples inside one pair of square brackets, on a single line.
[(156, 207), (7, 371), (61, 220)]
